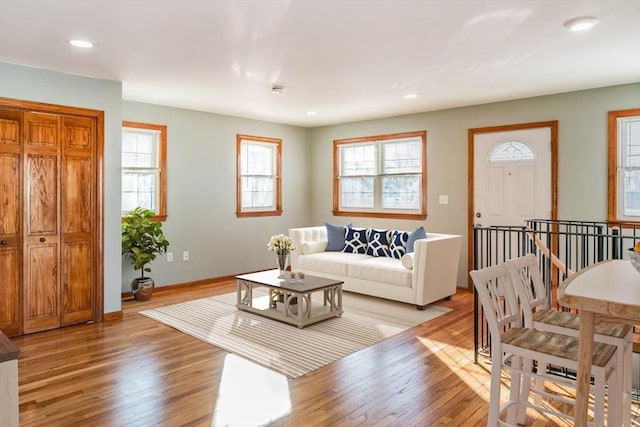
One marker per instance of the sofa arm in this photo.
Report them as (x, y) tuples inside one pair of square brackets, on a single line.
[(435, 267), (302, 236)]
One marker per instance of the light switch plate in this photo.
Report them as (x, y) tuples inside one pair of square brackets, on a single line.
[(444, 199)]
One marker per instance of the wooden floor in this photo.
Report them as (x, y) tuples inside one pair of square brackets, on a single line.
[(138, 372)]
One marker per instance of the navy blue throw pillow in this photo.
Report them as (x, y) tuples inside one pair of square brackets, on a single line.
[(398, 246), (356, 241), (378, 242)]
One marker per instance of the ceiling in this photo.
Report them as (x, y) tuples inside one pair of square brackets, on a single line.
[(347, 60)]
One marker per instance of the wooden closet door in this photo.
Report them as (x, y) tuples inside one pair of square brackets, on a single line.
[(10, 222), (78, 213), (41, 289)]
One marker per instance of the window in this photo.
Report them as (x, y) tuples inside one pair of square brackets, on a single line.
[(259, 181), (511, 151), (624, 165), (381, 176), (144, 177)]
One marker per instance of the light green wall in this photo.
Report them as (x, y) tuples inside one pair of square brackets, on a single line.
[(32, 84), (201, 169), (201, 199), (582, 155)]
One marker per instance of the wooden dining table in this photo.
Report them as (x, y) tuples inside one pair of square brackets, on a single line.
[(609, 289)]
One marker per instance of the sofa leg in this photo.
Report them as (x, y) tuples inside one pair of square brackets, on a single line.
[(420, 307), (447, 298)]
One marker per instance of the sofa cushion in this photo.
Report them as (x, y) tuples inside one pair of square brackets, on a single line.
[(335, 236), (386, 270), (398, 245), (418, 233), (378, 242), (334, 263), (355, 241)]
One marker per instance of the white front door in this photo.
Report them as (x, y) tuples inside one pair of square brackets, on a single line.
[(512, 176)]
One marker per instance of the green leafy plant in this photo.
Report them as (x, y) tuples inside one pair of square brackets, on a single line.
[(142, 239)]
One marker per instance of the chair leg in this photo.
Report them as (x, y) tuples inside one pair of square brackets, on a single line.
[(515, 390), (494, 393), (599, 394), (523, 400), (615, 399), (625, 383)]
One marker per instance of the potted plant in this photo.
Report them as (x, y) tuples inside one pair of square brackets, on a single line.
[(142, 240)]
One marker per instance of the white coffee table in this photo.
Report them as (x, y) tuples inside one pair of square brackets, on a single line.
[(306, 313)]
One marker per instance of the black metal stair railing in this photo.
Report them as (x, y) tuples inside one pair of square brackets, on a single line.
[(575, 244)]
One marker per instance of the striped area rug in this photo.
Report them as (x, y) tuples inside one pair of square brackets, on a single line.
[(285, 348)]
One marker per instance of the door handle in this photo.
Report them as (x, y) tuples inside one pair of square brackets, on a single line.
[(3, 242), (42, 239)]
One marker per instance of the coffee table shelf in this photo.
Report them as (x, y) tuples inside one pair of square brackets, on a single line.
[(305, 312)]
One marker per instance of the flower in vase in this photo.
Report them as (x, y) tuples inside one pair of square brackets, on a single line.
[(280, 244)]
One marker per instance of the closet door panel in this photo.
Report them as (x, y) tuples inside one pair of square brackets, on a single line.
[(41, 288), (77, 295), (10, 197), (78, 219), (42, 131), (42, 194), (10, 222), (10, 311), (10, 245), (77, 206)]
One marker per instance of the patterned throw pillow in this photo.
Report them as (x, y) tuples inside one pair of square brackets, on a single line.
[(355, 241), (378, 242), (398, 246)]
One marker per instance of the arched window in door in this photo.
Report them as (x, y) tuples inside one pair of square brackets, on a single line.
[(511, 151)]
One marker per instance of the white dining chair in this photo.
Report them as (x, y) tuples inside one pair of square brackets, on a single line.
[(516, 349), (535, 304)]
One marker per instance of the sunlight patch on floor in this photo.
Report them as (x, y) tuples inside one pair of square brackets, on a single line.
[(457, 359), (250, 395)]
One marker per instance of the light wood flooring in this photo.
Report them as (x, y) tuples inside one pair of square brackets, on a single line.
[(138, 372)]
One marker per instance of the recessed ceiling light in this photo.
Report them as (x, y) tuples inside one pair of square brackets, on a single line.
[(81, 43), (581, 23), (410, 96), (312, 113)]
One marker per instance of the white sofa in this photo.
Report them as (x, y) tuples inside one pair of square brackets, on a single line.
[(432, 276)]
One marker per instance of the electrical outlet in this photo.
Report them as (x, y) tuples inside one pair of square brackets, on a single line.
[(169, 256), (185, 256)]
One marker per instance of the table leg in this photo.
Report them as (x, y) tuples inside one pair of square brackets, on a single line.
[(585, 355)]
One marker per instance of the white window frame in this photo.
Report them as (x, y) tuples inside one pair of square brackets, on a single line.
[(158, 169), (377, 175), (274, 208)]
